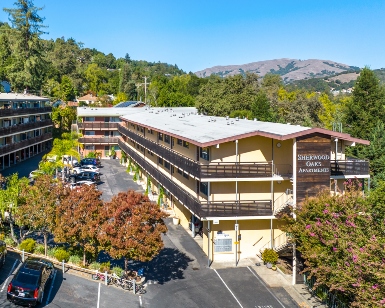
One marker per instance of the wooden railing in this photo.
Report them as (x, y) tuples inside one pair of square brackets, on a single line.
[(204, 209), (23, 127), (211, 170), (98, 125), (5, 149), (349, 167), (23, 111), (98, 140)]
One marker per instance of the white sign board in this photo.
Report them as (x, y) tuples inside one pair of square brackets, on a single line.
[(216, 221), (236, 227)]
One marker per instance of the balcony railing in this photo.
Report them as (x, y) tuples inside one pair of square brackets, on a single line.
[(98, 125), (25, 143), (22, 111), (99, 140), (210, 209), (349, 167), (24, 127), (212, 170)]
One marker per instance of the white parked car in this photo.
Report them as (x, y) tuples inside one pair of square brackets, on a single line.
[(79, 184), (34, 174), (90, 168), (77, 170)]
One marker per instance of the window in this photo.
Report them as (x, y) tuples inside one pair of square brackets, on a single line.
[(167, 165), (137, 127), (141, 149), (185, 175), (185, 144), (180, 171), (137, 146), (141, 129), (89, 119), (160, 161), (150, 131), (204, 188), (204, 153), (117, 148), (90, 147), (160, 136), (90, 133), (106, 119), (179, 141), (167, 139)]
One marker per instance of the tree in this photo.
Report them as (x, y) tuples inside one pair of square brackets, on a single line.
[(10, 200), (79, 218), (261, 108), (366, 106), (38, 211), (28, 66), (341, 238), (134, 228), (121, 97), (67, 91), (63, 118)]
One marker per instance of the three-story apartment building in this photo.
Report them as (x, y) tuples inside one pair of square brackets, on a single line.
[(25, 127), (235, 175)]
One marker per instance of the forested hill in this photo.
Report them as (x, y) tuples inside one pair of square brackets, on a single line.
[(288, 69)]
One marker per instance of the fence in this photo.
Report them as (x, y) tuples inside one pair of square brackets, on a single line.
[(107, 278), (331, 299)]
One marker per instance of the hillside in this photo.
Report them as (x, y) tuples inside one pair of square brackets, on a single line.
[(289, 69)]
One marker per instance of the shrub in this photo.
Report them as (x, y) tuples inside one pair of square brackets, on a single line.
[(270, 256), (118, 271), (105, 266), (95, 266), (10, 242), (28, 245), (61, 254), (135, 178), (40, 249), (74, 259), (51, 252)]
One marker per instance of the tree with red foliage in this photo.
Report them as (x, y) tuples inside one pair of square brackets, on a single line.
[(79, 218), (134, 228)]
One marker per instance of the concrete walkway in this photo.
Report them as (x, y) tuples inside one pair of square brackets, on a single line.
[(273, 279)]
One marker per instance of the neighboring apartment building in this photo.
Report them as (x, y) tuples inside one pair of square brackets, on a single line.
[(99, 127), (25, 127), (235, 175)]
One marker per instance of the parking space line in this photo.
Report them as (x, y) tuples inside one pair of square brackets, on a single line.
[(50, 290), (10, 273), (98, 295), (265, 287), (228, 288)]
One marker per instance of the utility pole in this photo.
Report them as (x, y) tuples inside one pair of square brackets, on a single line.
[(145, 89)]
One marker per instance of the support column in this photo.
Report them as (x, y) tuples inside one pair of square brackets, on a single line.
[(208, 243), (294, 206), (9, 160), (192, 225)]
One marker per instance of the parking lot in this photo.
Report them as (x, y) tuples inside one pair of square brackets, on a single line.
[(69, 291)]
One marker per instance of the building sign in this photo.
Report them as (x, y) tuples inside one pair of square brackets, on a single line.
[(313, 165)]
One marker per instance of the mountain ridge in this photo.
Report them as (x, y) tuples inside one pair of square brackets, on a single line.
[(289, 69)]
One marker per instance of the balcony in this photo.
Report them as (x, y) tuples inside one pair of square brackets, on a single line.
[(212, 170), (5, 149), (349, 167), (98, 125), (98, 140), (23, 111), (24, 127), (210, 209)]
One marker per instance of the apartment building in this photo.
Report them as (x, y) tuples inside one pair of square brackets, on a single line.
[(99, 127), (235, 175), (25, 127)]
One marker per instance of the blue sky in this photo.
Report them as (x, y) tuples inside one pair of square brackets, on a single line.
[(199, 34)]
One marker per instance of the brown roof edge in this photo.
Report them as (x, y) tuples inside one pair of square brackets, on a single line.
[(259, 133), (327, 132)]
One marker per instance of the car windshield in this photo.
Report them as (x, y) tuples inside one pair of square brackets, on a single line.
[(27, 278)]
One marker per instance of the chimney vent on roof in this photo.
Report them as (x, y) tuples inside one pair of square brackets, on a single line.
[(255, 119), (236, 119), (228, 123), (227, 117), (232, 122)]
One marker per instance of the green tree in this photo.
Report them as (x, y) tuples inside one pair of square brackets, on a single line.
[(366, 106), (63, 119), (121, 97), (261, 108), (28, 66), (67, 90)]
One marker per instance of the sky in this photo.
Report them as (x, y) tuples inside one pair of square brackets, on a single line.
[(200, 34)]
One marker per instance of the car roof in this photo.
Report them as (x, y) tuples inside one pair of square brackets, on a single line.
[(39, 260), (31, 266)]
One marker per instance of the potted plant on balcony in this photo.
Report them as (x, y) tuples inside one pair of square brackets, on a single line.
[(270, 257)]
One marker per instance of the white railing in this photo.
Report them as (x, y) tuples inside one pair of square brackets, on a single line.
[(281, 202), (280, 242)]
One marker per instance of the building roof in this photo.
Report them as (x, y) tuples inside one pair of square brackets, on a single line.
[(206, 130), (127, 104), (88, 97), (110, 111), (21, 97)]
